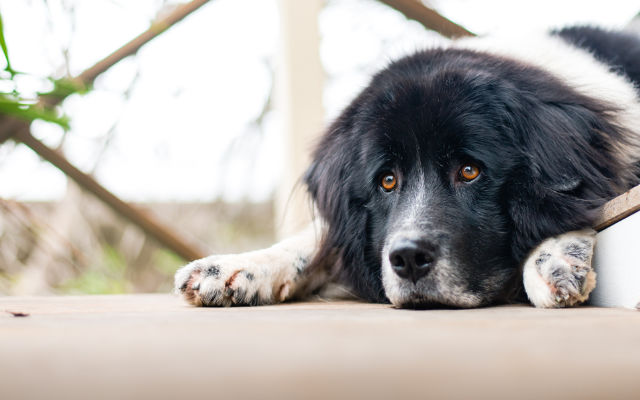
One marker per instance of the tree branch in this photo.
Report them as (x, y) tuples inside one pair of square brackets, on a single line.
[(431, 19), (157, 27), (144, 220), (10, 126), (20, 131)]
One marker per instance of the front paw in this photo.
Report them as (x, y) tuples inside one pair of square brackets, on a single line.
[(558, 272), (227, 281)]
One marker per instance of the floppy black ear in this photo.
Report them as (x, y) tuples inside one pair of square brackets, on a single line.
[(332, 183), (336, 182), (328, 178), (568, 168), (332, 179)]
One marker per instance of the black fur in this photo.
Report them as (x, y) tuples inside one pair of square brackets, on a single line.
[(547, 154)]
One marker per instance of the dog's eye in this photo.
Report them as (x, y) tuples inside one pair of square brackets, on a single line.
[(388, 182), (469, 172)]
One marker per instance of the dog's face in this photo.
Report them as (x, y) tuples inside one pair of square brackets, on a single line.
[(437, 216), (444, 173)]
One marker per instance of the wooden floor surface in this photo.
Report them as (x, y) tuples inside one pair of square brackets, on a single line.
[(156, 346)]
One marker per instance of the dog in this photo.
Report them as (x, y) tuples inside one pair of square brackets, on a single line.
[(464, 175)]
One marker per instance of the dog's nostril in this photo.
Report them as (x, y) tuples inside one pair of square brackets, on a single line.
[(397, 261), (423, 260), (411, 259)]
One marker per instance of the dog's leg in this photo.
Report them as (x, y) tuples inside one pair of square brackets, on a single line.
[(259, 277), (558, 272)]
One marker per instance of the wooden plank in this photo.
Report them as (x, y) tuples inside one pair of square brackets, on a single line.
[(431, 19), (154, 346), (142, 219), (619, 208)]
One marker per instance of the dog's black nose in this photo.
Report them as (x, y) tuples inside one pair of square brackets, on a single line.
[(412, 259)]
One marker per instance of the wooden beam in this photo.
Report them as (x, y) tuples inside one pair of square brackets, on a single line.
[(144, 220), (619, 208), (431, 19)]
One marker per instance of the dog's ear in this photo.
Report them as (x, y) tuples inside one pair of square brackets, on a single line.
[(327, 180), (331, 177), (335, 182), (567, 168)]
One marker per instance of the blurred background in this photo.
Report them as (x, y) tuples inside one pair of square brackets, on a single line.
[(194, 142)]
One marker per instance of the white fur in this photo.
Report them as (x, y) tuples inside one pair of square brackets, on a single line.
[(545, 277), (575, 67), (272, 275), (443, 283)]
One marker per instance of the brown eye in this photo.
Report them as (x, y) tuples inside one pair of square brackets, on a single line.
[(388, 182), (469, 172)]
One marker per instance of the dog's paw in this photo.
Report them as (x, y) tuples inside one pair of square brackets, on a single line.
[(558, 272), (239, 279)]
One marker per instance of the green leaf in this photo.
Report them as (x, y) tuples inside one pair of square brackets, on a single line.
[(5, 51), (65, 87), (30, 112), (14, 104)]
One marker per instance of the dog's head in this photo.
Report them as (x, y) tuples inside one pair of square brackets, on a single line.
[(449, 168)]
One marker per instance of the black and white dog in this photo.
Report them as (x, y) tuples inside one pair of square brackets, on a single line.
[(461, 175)]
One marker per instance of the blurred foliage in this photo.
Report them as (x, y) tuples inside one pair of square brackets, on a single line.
[(104, 266), (167, 262), (111, 274), (3, 44), (21, 106), (106, 278), (76, 245)]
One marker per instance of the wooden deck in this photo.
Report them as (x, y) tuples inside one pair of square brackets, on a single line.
[(156, 346)]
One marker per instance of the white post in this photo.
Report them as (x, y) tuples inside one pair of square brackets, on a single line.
[(299, 87)]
